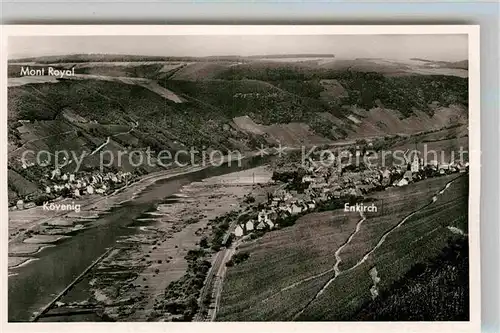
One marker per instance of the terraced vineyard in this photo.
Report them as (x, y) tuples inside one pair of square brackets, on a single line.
[(290, 273)]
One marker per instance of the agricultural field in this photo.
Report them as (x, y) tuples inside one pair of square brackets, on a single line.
[(252, 289), (290, 273), (394, 205), (421, 238), (420, 295)]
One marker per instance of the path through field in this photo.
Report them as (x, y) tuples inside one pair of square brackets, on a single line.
[(337, 258), (367, 255)]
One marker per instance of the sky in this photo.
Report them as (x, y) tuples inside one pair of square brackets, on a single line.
[(432, 47)]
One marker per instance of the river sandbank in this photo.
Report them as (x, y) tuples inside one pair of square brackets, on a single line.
[(154, 257)]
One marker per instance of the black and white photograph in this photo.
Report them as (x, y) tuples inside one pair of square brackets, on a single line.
[(231, 176)]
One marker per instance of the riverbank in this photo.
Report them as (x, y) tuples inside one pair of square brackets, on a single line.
[(130, 281), (34, 225), (55, 267)]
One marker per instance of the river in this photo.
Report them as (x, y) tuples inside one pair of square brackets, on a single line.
[(37, 283)]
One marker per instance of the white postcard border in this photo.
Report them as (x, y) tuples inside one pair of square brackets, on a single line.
[(474, 176)]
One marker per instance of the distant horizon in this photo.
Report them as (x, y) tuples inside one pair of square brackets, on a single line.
[(256, 56), (317, 55), (450, 48)]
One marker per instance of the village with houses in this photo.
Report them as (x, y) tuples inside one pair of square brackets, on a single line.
[(58, 184), (305, 188)]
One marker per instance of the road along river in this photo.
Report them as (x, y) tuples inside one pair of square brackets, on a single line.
[(35, 284)]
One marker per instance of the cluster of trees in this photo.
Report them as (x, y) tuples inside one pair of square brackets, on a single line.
[(181, 296), (267, 72), (292, 178), (386, 142), (402, 93), (310, 89), (337, 203), (238, 258), (220, 226), (219, 231), (267, 104), (324, 127), (364, 89), (287, 220), (118, 103), (287, 176), (249, 199)]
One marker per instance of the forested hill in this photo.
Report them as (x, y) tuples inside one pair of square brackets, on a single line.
[(224, 104)]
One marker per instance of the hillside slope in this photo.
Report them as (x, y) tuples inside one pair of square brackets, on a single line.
[(223, 103)]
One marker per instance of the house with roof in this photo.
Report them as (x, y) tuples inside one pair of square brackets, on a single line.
[(352, 191), (275, 202), (287, 196), (402, 182), (323, 197), (307, 179), (261, 226), (433, 163), (55, 173), (267, 216), (249, 226), (408, 175), (415, 164), (305, 207), (238, 232), (445, 167), (262, 216), (285, 208), (20, 204), (270, 224), (29, 205), (296, 208)]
